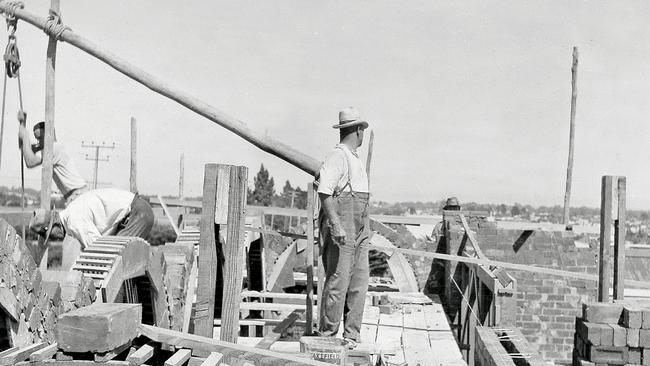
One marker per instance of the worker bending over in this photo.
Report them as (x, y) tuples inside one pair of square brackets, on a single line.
[(64, 173), (343, 191), (96, 213)]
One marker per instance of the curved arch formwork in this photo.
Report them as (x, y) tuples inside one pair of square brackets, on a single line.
[(399, 266)]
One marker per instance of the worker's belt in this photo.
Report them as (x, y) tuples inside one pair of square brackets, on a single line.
[(70, 192)]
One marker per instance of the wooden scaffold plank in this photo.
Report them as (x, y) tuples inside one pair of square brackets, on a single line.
[(141, 355), (207, 275), (179, 358), (234, 252)]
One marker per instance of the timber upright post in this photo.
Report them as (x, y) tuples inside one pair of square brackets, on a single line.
[(48, 139), (612, 215), (309, 314), (207, 277), (134, 147), (224, 202), (235, 219)]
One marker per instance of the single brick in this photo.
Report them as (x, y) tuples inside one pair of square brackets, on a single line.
[(632, 317), (633, 337), (634, 356), (606, 335), (608, 355), (644, 338), (589, 332), (645, 324), (620, 335), (602, 312)]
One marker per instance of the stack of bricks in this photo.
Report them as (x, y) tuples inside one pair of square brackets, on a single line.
[(177, 260), (612, 334), (31, 301)]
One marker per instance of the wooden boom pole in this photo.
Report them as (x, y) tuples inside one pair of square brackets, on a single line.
[(261, 140)]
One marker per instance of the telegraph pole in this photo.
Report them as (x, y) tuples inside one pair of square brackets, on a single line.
[(181, 176), (133, 185), (97, 159), (569, 171)]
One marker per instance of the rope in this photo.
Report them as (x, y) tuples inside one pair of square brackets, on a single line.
[(12, 67), (53, 25), (12, 6)]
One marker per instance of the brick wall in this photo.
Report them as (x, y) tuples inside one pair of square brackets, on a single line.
[(546, 305)]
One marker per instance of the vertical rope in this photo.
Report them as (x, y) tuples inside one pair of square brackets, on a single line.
[(2, 118)]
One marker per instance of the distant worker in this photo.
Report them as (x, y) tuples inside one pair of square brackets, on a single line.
[(96, 213), (343, 191), (64, 173), (452, 204)]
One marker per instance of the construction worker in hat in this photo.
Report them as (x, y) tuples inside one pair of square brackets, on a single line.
[(64, 172), (96, 213), (344, 226), (451, 204)]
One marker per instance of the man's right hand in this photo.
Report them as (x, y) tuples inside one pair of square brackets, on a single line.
[(22, 117), (338, 232)]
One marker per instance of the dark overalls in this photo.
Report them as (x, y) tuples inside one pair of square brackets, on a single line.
[(346, 266)]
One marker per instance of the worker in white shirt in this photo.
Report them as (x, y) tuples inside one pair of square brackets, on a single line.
[(96, 213), (344, 226), (64, 173)]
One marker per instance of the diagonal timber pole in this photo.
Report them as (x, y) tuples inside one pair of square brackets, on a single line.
[(261, 140)]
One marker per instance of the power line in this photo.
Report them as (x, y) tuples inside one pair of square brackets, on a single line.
[(97, 159)]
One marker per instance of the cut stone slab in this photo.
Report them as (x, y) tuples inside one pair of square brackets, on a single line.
[(602, 313), (98, 327)]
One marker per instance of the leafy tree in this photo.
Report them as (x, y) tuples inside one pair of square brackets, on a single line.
[(263, 188)]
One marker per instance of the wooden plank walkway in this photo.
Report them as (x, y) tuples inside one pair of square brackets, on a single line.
[(418, 324)]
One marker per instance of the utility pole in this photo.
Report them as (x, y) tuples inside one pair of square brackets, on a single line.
[(569, 170), (97, 159), (133, 185), (181, 177), (293, 195)]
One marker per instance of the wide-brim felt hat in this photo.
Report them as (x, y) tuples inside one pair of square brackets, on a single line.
[(452, 202), (350, 117)]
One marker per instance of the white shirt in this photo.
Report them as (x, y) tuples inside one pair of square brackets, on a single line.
[(65, 173), (340, 166), (96, 213)]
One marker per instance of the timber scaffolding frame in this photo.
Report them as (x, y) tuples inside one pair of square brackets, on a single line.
[(489, 273)]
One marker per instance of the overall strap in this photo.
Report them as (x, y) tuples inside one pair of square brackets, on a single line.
[(347, 166)]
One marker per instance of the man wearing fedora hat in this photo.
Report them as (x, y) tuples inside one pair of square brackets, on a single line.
[(344, 226)]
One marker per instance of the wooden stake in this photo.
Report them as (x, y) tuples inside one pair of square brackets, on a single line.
[(369, 160), (569, 170), (234, 253), (169, 216), (257, 138), (604, 274), (134, 146), (619, 242)]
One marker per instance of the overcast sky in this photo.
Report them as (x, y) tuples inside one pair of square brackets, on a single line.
[(466, 98)]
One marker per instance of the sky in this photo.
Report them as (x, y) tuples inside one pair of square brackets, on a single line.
[(465, 98)]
